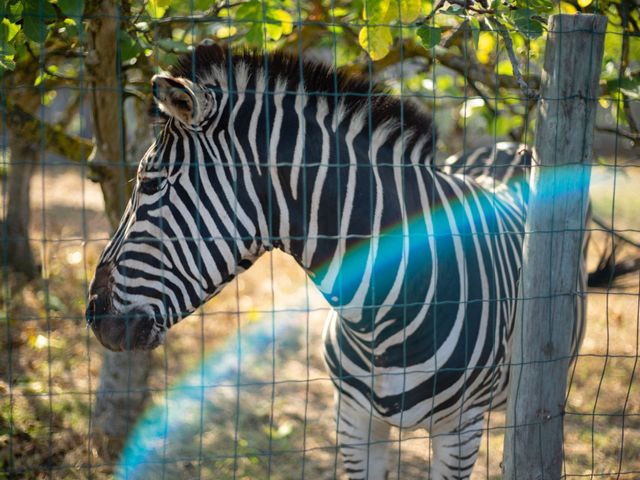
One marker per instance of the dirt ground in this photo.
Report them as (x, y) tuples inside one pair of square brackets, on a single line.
[(268, 411)]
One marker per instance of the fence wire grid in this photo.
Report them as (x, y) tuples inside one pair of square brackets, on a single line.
[(239, 388)]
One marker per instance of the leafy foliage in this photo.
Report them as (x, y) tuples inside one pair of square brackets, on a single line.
[(452, 53)]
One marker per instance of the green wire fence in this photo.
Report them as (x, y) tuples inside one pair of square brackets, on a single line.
[(241, 391)]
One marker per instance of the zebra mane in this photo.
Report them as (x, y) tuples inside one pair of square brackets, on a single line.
[(209, 62)]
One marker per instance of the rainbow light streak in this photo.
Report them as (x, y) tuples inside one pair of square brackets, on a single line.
[(358, 253), (568, 182), (171, 431)]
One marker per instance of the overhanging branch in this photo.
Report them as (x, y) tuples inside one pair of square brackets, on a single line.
[(458, 63), (31, 128)]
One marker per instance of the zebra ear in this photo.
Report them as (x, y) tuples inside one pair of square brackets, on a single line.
[(178, 97)]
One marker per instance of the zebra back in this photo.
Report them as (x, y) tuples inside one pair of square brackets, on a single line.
[(508, 162), (503, 162)]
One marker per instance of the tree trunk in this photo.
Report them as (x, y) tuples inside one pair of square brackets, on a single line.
[(16, 247), (123, 391), (120, 399), (106, 84)]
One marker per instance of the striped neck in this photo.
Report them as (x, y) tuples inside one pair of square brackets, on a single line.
[(310, 162)]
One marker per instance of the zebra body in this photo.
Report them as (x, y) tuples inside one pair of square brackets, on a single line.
[(420, 263)]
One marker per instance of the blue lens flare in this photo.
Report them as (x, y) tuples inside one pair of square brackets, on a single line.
[(561, 183), (171, 431)]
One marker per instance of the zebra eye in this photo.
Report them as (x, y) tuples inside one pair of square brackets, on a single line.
[(149, 186)]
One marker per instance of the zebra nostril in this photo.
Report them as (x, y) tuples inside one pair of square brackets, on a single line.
[(98, 304), (90, 314), (97, 307)]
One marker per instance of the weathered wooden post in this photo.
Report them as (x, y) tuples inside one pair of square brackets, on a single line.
[(552, 247)]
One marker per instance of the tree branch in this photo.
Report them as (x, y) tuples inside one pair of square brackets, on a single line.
[(56, 141), (508, 44), (634, 137), (44, 67), (610, 231), (438, 6), (467, 5), (211, 15), (464, 66), (484, 98)]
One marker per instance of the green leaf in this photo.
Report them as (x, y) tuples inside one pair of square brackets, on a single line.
[(430, 36), (40, 8), (157, 8), (129, 46), (7, 49), (8, 30), (339, 11), (285, 19), (445, 85), (403, 10), (255, 35), (526, 25), (72, 8), (537, 6), (15, 11), (226, 32), (503, 124), (375, 10), (72, 31), (34, 28), (376, 41), (7, 63), (36, 12), (202, 5), (41, 76), (249, 11), (454, 10), (504, 68), (409, 10), (274, 30)]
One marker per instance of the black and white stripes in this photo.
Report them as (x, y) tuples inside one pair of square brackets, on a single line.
[(420, 263)]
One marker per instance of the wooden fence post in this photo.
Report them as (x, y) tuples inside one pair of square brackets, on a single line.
[(552, 247)]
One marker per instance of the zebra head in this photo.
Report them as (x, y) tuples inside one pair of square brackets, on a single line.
[(182, 236)]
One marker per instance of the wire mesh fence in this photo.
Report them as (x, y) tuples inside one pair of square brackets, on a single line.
[(240, 389)]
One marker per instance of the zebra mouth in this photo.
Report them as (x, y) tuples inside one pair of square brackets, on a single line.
[(135, 330)]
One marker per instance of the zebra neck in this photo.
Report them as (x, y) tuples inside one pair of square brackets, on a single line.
[(282, 145), (333, 192)]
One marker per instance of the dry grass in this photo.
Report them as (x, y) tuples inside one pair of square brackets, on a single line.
[(281, 423)]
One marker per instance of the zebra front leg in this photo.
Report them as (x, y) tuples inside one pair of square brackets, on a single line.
[(455, 450), (363, 441)]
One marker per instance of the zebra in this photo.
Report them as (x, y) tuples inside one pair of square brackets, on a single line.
[(419, 263)]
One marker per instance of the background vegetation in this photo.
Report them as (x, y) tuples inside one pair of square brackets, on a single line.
[(74, 91)]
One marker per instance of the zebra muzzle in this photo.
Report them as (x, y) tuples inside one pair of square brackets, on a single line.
[(133, 330)]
